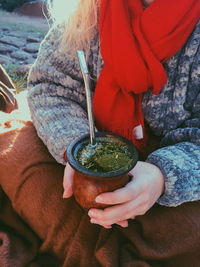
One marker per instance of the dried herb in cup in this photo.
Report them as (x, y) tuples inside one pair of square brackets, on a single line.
[(105, 157)]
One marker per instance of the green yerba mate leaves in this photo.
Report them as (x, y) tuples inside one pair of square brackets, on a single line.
[(105, 157)]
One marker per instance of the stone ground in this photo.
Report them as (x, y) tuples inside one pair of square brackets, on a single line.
[(20, 37)]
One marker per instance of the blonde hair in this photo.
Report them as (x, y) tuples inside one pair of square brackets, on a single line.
[(80, 20)]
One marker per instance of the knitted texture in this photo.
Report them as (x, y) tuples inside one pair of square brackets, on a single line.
[(58, 106)]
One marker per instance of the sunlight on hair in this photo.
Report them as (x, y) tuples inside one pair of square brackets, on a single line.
[(79, 18), (61, 10)]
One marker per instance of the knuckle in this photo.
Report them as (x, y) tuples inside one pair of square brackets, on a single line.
[(101, 217)]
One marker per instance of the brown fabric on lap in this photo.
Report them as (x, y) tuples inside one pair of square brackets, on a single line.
[(19, 245), (32, 180), (35, 189)]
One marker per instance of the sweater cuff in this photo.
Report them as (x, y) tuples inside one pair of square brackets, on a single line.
[(179, 165)]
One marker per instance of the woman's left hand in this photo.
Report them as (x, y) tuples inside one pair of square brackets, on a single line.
[(136, 198)]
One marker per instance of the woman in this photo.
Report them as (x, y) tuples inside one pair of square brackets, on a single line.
[(133, 92)]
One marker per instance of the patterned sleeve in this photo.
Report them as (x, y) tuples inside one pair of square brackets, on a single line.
[(56, 96), (179, 155), (180, 165)]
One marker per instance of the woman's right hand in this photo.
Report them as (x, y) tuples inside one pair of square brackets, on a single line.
[(68, 181)]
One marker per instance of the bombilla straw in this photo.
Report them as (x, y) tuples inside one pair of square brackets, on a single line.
[(85, 73)]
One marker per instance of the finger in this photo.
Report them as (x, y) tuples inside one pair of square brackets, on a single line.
[(107, 226), (104, 225), (118, 213), (68, 181), (121, 195), (123, 223)]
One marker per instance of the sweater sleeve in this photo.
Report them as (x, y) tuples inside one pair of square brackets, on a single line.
[(56, 96), (180, 165), (179, 160), (179, 155)]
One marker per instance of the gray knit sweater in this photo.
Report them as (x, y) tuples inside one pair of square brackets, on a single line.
[(58, 106)]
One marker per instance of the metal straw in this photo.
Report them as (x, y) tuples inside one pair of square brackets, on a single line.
[(85, 73)]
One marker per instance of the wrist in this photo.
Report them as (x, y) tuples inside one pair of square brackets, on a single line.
[(151, 170)]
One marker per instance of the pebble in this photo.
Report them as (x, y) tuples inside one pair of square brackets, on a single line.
[(18, 34), (5, 60), (4, 28), (20, 55), (32, 39), (11, 40), (32, 47), (4, 49)]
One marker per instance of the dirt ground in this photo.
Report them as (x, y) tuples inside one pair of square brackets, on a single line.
[(12, 18)]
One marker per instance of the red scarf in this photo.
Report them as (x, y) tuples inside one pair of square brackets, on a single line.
[(134, 44)]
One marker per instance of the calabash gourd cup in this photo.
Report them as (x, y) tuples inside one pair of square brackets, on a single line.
[(88, 183)]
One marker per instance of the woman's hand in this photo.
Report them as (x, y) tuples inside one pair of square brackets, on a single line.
[(136, 198)]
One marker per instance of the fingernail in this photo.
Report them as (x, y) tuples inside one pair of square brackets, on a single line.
[(108, 227), (65, 194), (99, 199), (93, 221)]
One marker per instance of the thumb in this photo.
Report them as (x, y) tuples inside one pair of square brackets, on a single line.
[(68, 181)]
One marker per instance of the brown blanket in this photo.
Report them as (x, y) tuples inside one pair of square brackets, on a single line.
[(39, 228)]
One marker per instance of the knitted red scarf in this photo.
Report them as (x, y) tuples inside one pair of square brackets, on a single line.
[(134, 44)]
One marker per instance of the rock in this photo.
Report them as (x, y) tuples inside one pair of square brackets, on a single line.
[(5, 48), (19, 34), (4, 28), (33, 39), (35, 56), (33, 9), (17, 42), (5, 60), (21, 55), (19, 45), (32, 47)]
